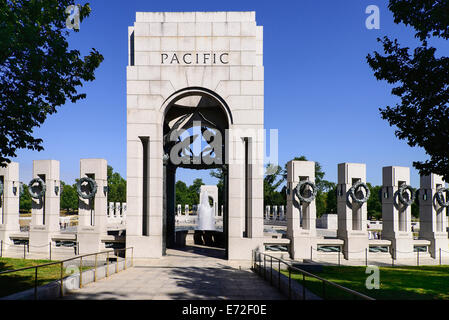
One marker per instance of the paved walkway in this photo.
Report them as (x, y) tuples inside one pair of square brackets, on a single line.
[(187, 274)]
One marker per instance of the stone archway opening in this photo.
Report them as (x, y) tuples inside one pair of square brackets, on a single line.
[(194, 131)]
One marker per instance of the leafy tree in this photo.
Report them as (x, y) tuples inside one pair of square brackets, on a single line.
[(25, 199), (271, 182), (183, 196), (194, 190), (421, 81), (331, 200), (69, 197), (38, 73), (374, 205), (116, 186), (218, 173)]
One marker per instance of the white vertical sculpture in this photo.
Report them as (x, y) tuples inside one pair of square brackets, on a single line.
[(93, 202), (117, 209), (396, 210), (222, 210), (301, 211), (275, 213), (281, 213), (186, 209), (432, 214), (124, 208), (111, 210), (352, 195), (267, 212), (206, 216), (9, 201), (178, 210), (45, 190)]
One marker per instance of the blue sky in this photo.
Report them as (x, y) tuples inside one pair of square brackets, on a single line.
[(319, 91)]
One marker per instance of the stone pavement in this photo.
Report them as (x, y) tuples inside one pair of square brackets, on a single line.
[(186, 274)]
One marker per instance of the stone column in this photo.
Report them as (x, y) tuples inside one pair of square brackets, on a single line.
[(92, 212), (178, 210), (352, 216), (45, 209), (432, 216), (301, 215), (186, 209), (396, 215), (267, 212), (9, 202)]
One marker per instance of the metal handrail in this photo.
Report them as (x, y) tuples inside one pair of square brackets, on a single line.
[(61, 263), (305, 273)]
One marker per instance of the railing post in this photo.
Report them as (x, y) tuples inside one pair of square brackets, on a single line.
[(264, 267), (392, 257), (24, 249), (49, 246), (311, 256), (81, 272), (440, 256), (95, 272), (279, 274), (417, 262), (107, 264), (271, 270), (124, 268), (339, 251), (62, 275), (1, 248), (366, 256), (35, 283), (303, 286), (324, 290), (289, 283)]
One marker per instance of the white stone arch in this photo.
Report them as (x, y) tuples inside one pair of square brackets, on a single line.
[(196, 91)]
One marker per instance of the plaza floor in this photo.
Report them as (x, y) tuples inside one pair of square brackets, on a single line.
[(194, 273)]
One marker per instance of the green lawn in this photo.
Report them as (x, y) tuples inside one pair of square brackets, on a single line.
[(23, 280), (396, 283)]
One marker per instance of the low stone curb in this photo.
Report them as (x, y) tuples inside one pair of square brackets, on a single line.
[(52, 290)]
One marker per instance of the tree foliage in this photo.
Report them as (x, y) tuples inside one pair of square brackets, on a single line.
[(38, 72), (188, 195), (69, 198), (421, 81), (274, 177), (116, 186), (25, 199)]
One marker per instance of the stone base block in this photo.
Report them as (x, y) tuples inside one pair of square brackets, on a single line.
[(241, 248), (39, 240), (356, 245), (436, 244), (89, 242), (145, 246), (402, 245), (300, 247)]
